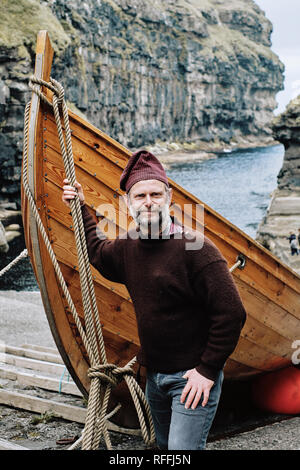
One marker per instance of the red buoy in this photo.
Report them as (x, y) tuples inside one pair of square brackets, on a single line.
[(278, 392)]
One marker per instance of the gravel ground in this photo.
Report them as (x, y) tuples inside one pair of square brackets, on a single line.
[(23, 320), (278, 436), (237, 426)]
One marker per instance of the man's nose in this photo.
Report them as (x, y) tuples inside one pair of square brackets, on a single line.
[(148, 201)]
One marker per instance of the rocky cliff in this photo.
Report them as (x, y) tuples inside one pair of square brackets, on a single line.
[(199, 73), (283, 215)]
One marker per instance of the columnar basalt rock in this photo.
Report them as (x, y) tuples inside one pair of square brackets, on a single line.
[(176, 71), (283, 215)]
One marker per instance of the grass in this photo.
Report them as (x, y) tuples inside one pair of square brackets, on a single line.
[(20, 22), (43, 418), (226, 43)]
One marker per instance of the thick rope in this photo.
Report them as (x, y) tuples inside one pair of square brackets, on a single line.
[(15, 261), (236, 265), (101, 373)]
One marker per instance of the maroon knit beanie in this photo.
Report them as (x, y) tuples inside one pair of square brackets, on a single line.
[(142, 165)]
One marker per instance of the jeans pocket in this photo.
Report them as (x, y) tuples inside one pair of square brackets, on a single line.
[(181, 373)]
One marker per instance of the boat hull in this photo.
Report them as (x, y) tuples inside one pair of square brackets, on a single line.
[(269, 289)]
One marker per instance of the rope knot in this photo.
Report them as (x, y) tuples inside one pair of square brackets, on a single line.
[(53, 85), (109, 373)]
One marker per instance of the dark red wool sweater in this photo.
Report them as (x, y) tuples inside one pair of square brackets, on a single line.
[(188, 309)]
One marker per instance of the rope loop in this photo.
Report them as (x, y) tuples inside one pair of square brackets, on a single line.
[(120, 372), (59, 90), (101, 372), (53, 85), (110, 373)]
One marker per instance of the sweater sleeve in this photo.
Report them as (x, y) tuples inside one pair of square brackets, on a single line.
[(104, 254), (226, 316)]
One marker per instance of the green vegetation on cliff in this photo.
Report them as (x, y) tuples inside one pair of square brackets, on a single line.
[(20, 22), (226, 44)]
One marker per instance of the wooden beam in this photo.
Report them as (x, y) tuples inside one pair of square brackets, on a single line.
[(41, 381), (31, 353), (6, 445), (33, 364), (41, 405), (37, 347), (59, 410)]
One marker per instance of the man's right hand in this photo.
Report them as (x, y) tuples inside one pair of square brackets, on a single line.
[(70, 192)]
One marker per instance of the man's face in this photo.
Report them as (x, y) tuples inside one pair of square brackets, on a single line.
[(148, 202)]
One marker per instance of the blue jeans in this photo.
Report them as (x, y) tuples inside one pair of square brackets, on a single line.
[(177, 428)]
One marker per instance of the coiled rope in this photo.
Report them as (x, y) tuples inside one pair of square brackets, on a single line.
[(101, 373)]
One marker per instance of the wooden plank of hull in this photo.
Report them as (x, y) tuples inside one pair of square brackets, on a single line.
[(234, 370), (116, 314), (268, 313), (269, 289), (256, 356)]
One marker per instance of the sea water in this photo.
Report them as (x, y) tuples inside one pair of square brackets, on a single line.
[(237, 185)]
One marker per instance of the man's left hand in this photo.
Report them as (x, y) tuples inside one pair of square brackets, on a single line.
[(196, 385)]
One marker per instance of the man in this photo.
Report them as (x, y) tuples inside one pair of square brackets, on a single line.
[(293, 244), (189, 312), (294, 247)]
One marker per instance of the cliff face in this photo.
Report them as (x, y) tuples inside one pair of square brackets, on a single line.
[(143, 72), (283, 215)]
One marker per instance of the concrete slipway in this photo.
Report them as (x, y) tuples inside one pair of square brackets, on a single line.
[(238, 425)]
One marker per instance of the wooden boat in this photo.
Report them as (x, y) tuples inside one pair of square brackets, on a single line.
[(269, 289)]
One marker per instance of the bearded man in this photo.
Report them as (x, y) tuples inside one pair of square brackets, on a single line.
[(188, 309)]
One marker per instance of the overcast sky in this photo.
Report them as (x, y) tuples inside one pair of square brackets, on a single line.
[(285, 16)]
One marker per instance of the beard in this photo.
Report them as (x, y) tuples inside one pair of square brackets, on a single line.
[(152, 222)]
